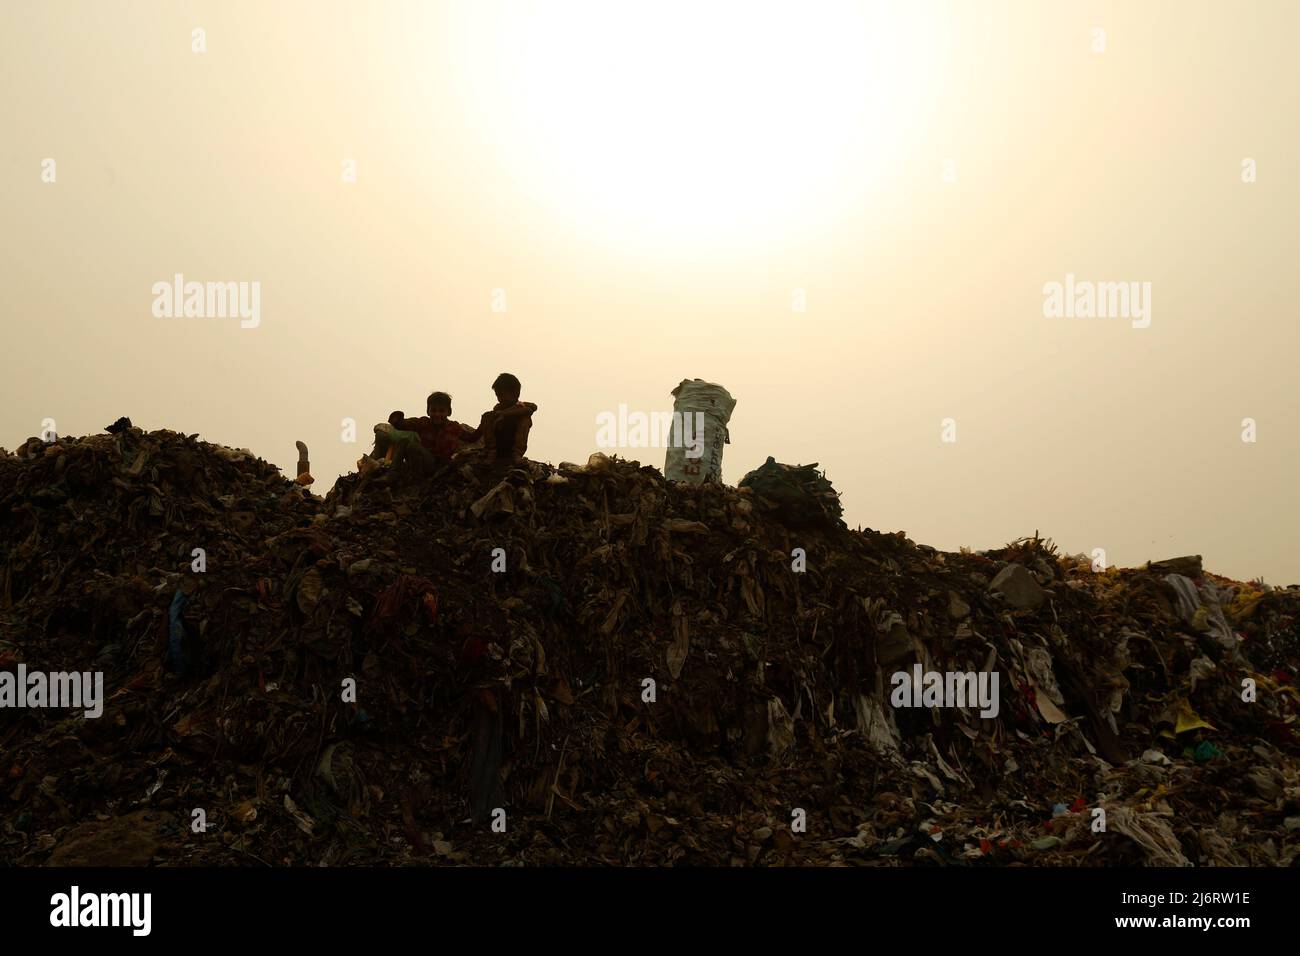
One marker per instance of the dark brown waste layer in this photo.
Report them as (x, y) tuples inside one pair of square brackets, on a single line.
[(527, 689)]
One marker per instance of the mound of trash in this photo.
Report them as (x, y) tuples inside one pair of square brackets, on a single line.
[(799, 494), (591, 665)]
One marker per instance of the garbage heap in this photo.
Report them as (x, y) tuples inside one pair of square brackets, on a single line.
[(799, 494), (588, 665)]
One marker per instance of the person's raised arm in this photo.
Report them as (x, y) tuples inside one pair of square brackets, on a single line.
[(523, 408)]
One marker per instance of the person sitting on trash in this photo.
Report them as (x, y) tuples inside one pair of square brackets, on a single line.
[(396, 443), (428, 441), (439, 435), (504, 427)]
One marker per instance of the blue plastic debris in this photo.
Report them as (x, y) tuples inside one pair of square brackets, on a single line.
[(176, 632)]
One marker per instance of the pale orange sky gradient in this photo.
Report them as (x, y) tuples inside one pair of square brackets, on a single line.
[(650, 185)]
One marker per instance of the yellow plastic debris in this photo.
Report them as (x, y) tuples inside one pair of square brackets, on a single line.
[(1188, 719)]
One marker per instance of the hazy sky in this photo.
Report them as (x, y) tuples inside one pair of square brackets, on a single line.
[(652, 191)]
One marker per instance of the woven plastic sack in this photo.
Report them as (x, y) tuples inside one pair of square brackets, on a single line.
[(704, 410)]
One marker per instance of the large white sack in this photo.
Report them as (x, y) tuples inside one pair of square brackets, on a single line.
[(698, 405)]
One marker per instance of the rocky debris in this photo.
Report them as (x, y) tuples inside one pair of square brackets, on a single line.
[(957, 608), (617, 669), (1189, 566), (1017, 587)]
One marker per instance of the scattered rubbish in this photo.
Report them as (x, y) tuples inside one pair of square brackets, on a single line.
[(620, 669)]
